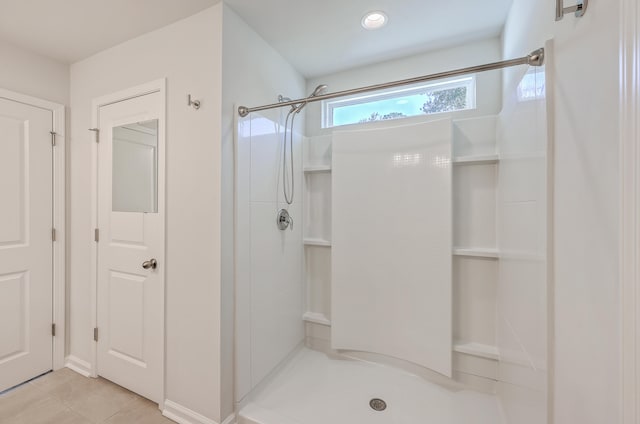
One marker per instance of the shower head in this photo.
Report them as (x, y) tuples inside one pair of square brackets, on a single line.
[(320, 90)]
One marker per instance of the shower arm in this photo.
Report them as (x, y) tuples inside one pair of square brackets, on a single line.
[(536, 58)]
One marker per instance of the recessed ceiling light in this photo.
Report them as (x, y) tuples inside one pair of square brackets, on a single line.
[(374, 20)]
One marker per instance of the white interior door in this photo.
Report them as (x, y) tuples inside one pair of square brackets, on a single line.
[(26, 246), (130, 304)]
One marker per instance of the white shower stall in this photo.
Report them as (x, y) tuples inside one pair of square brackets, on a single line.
[(415, 271)]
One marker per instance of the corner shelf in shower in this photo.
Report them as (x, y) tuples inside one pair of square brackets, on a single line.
[(316, 318), (477, 252), (476, 160), (480, 252), (317, 242), (458, 160), (316, 169), (477, 349)]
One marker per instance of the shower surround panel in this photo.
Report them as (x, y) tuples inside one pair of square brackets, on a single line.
[(392, 242), (269, 291)]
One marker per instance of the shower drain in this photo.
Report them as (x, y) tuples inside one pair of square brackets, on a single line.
[(378, 404)]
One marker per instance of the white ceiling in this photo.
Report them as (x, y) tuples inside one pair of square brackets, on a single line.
[(71, 30), (320, 37)]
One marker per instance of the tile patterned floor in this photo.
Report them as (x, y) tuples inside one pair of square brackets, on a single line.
[(65, 397)]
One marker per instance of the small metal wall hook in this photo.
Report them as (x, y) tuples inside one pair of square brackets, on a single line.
[(194, 103), (580, 9)]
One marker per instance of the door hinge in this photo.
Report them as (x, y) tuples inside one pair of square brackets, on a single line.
[(53, 234), (96, 235), (53, 330), (97, 131), (53, 137), (95, 334)]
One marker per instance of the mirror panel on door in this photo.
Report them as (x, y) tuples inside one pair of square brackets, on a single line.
[(135, 167)]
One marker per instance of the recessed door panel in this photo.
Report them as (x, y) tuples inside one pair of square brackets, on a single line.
[(126, 316), (127, 228), (13, 173), (13, 308), (131, 247), (26, 246)]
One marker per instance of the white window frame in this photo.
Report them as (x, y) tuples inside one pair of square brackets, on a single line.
[(329, 106)]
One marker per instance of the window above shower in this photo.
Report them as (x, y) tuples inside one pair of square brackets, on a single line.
[(424, 99)]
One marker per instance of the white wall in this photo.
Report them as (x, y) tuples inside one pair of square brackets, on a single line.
[(268, 300), (470, 54), (188, 54), (32, 74), (585, 348)]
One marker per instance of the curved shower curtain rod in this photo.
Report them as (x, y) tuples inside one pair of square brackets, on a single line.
[(536, 58)]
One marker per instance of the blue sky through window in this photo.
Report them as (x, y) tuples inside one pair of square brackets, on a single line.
[(407, 105), (403, 102)]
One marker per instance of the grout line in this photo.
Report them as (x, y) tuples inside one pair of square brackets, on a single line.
[(28, 382)]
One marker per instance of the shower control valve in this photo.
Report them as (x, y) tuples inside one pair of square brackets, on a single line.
[(284, 220)]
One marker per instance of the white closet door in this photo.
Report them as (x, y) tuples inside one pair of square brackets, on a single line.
[(26, 246), (131, 223)]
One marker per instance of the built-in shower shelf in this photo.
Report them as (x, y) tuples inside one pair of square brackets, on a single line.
[(459, 160), (479, 252), (477, 349), (316, 318), (317, 242), (476, 160), (316, 169)]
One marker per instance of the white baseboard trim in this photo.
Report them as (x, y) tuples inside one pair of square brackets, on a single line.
[(183, 415), (78, 365), (231, 419)]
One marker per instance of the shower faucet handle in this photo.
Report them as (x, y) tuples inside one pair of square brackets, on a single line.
[(284, 220)]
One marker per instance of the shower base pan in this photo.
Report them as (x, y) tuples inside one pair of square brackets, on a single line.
[(317, 389)]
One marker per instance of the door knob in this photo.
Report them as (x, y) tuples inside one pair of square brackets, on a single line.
[(151, 263)]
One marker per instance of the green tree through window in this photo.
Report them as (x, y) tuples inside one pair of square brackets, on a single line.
[(375, 116), (446, 100)]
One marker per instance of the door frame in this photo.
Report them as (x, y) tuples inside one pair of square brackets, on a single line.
[(157, 86), (630, 210), (58, 217)]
